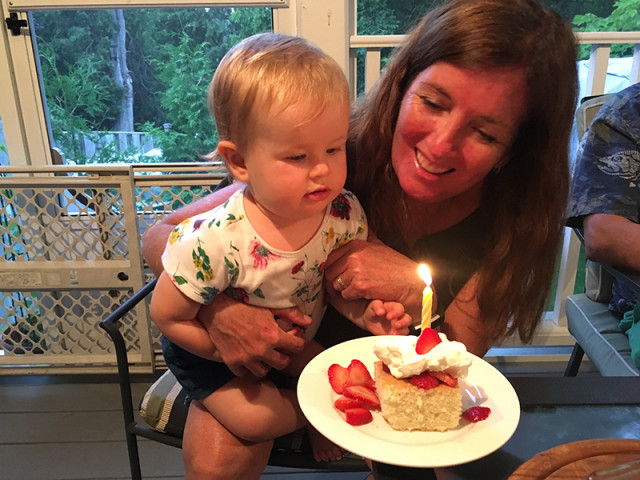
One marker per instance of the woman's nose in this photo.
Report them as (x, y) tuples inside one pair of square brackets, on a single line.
[(444, 138)]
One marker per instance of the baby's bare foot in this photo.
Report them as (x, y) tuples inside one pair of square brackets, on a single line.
[(324, 450)]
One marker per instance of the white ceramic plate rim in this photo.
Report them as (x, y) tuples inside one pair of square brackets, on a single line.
[(484, 385)]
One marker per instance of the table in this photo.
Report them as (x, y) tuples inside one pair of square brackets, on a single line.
[(554, 411), (578, 459)]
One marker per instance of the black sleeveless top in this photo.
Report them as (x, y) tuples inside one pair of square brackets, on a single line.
[(453, 255)]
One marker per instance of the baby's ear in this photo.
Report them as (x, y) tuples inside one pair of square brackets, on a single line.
[(234, 160)]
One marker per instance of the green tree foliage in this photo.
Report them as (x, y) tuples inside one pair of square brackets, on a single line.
[(172, 55), (76, 65), (570, 8), (625, 17)]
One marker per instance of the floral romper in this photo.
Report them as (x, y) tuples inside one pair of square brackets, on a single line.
[(219, 251)]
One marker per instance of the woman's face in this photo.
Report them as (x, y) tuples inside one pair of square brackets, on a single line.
[(454, 126)]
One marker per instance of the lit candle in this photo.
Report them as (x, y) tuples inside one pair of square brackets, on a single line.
[(427, 296)]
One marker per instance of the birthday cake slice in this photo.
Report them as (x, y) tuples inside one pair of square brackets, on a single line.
[(416, 381)]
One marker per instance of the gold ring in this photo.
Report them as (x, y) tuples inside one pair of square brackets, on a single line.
[(340, 283)]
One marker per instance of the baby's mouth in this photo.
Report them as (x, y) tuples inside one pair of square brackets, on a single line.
[(430, 168)]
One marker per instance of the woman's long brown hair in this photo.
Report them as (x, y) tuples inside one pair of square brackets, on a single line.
[(527, 198)]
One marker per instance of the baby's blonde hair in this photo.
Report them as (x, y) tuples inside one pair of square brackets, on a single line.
[(267, 70)]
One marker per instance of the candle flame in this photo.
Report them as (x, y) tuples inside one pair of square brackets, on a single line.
[(425, 273)]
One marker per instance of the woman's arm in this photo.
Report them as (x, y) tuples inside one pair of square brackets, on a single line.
[(248, 338), (462, 321), (371, 270)]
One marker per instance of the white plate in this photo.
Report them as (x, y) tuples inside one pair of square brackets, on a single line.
[(484, 386)]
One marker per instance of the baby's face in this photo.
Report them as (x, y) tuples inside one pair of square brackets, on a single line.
[(296, 164)]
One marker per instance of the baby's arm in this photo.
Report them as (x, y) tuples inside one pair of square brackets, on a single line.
[(175, 315), (377, 316)]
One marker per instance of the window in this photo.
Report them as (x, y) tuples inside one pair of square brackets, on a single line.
[(130, 85)]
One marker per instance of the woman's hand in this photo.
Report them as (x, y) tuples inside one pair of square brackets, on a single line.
[(248, 338), (371, 270)]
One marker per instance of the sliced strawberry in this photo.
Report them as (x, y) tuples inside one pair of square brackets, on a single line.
[(428, 339), (445, 378), (359, 375), (368, 397), (342, 403), (425, 381), (358, 416), (476, 414), (338, 376)]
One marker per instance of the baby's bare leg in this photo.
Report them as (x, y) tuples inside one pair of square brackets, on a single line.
[(255, 409), (324, 450)]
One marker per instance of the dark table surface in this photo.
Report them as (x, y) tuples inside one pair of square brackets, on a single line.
[(554, 411)]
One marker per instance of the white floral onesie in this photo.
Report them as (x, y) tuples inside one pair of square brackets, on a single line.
[(220, 251)]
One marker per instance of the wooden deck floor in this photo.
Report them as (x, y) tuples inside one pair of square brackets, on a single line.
[(59, 427), (56, 429)]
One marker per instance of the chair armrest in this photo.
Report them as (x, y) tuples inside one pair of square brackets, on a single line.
[(110, 325)]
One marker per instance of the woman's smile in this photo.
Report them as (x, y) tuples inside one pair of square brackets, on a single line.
[(429, 167)]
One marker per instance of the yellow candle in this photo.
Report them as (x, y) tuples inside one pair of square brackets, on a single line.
[(427, 297)]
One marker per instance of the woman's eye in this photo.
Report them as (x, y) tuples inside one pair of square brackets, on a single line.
[(431, 104), (487, 138)]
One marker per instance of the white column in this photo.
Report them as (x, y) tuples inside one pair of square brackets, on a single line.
[(323, 22), (21, 106)]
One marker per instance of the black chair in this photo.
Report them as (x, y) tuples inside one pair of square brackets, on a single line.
[(282, 455)]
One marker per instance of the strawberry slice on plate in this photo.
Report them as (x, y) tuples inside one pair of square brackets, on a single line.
[(359, 375), (358, 416), (428, 339), (338, 377), (476, 414), (368, 398), (343, 403)]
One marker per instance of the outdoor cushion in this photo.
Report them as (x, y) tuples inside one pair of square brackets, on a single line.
[(596, 330), (598, 282), (165, 405)]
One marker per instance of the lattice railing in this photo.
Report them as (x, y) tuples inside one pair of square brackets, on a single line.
[(70, 244)]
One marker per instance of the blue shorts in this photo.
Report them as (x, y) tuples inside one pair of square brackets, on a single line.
[(200, 377)]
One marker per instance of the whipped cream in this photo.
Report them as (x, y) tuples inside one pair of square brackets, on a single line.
[(399, 354)]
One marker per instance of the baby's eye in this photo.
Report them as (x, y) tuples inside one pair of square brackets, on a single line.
[(332, 151), (297, 157)]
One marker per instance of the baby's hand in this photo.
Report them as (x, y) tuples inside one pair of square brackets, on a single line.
[(386, 318)]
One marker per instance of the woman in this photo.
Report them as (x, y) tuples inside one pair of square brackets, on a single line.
[(459, 156)]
